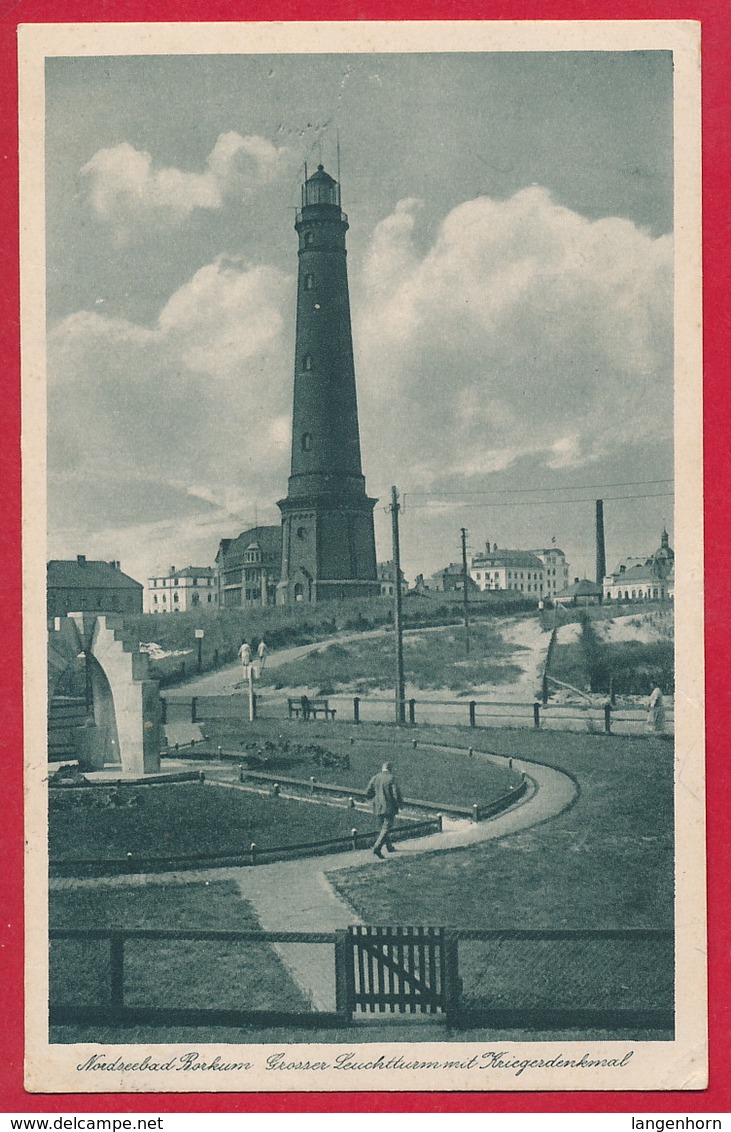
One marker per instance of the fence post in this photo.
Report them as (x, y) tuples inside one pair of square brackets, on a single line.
[(612, 693), (356, 709), (252, 850), (608, 718), (412, 711), (343, 1004), (475, 812), (252, 697), (116, 973), (451, 979), (473, 711), (194, 709), (354, 838), (537, 714)]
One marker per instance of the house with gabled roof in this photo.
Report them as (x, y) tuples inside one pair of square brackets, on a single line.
[(81, 584)]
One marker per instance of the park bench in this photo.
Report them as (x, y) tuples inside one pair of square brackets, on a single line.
[(305, 708)]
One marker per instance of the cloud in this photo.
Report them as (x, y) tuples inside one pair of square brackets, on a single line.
[(524, 330), (523, 336), (185, 421), (125, 188)]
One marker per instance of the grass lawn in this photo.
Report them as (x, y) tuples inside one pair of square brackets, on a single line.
[(424, 773), (607, 862), (434, 659), (167, 973), (189, 818)]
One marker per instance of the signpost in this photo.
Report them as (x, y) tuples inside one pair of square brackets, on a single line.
[(199, 635), (252, 701)]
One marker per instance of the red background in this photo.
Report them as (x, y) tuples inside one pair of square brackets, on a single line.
[(716, 25)]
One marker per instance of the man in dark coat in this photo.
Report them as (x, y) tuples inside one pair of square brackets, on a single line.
[(387, 801)]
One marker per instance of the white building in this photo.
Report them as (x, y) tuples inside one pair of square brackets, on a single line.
[(517, 570), (386, 573), (555, 568), (644, 579), (180, 590)]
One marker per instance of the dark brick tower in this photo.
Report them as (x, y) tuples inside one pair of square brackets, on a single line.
[(328, 543)]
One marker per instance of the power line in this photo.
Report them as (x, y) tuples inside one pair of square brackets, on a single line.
[(526, 490), (550, 502)]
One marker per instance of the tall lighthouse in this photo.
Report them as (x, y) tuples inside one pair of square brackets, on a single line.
[(328, 542)]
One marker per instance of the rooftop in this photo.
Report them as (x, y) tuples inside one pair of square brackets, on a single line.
[(583, 587), (231, 551), (83, 573), (511, 558)]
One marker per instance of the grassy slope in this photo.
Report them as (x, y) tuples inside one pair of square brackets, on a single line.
[(282, 626), (635, 666), (434, 660), (175, 973), (604, 863)]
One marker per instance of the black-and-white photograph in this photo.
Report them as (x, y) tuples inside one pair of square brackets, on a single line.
[(360, 537)]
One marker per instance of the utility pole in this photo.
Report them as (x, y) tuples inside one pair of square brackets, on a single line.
[(465, 595), (601, 558), (400, 684)]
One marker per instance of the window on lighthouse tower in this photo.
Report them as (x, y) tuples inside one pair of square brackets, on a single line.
[(309, 282)]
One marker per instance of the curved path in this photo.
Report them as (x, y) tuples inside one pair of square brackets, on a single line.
[(297, 895)]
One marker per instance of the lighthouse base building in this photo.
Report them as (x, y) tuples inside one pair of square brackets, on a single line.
[(328, 550)]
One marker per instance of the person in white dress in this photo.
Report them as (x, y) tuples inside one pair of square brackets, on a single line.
[(656, 710)]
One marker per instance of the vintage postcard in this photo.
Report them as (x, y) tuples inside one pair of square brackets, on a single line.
[(363, 597)]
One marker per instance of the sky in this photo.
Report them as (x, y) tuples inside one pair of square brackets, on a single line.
[(510, 269)]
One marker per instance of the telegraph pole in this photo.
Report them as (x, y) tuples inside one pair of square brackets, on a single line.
[(465, 596), (400, 684)]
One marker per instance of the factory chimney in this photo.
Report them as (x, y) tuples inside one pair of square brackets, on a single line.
[(601, 558)]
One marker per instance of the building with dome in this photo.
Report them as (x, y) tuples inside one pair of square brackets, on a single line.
[(648, 579)]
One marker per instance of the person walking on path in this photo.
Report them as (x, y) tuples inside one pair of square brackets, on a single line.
[(656, 711), (245, 657), (261, 653), (387, 801)]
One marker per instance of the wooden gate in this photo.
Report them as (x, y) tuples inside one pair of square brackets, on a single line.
[(397, 970)]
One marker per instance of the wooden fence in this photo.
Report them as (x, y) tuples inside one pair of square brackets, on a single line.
[(384, 971), (592, 718), (397, 970)]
